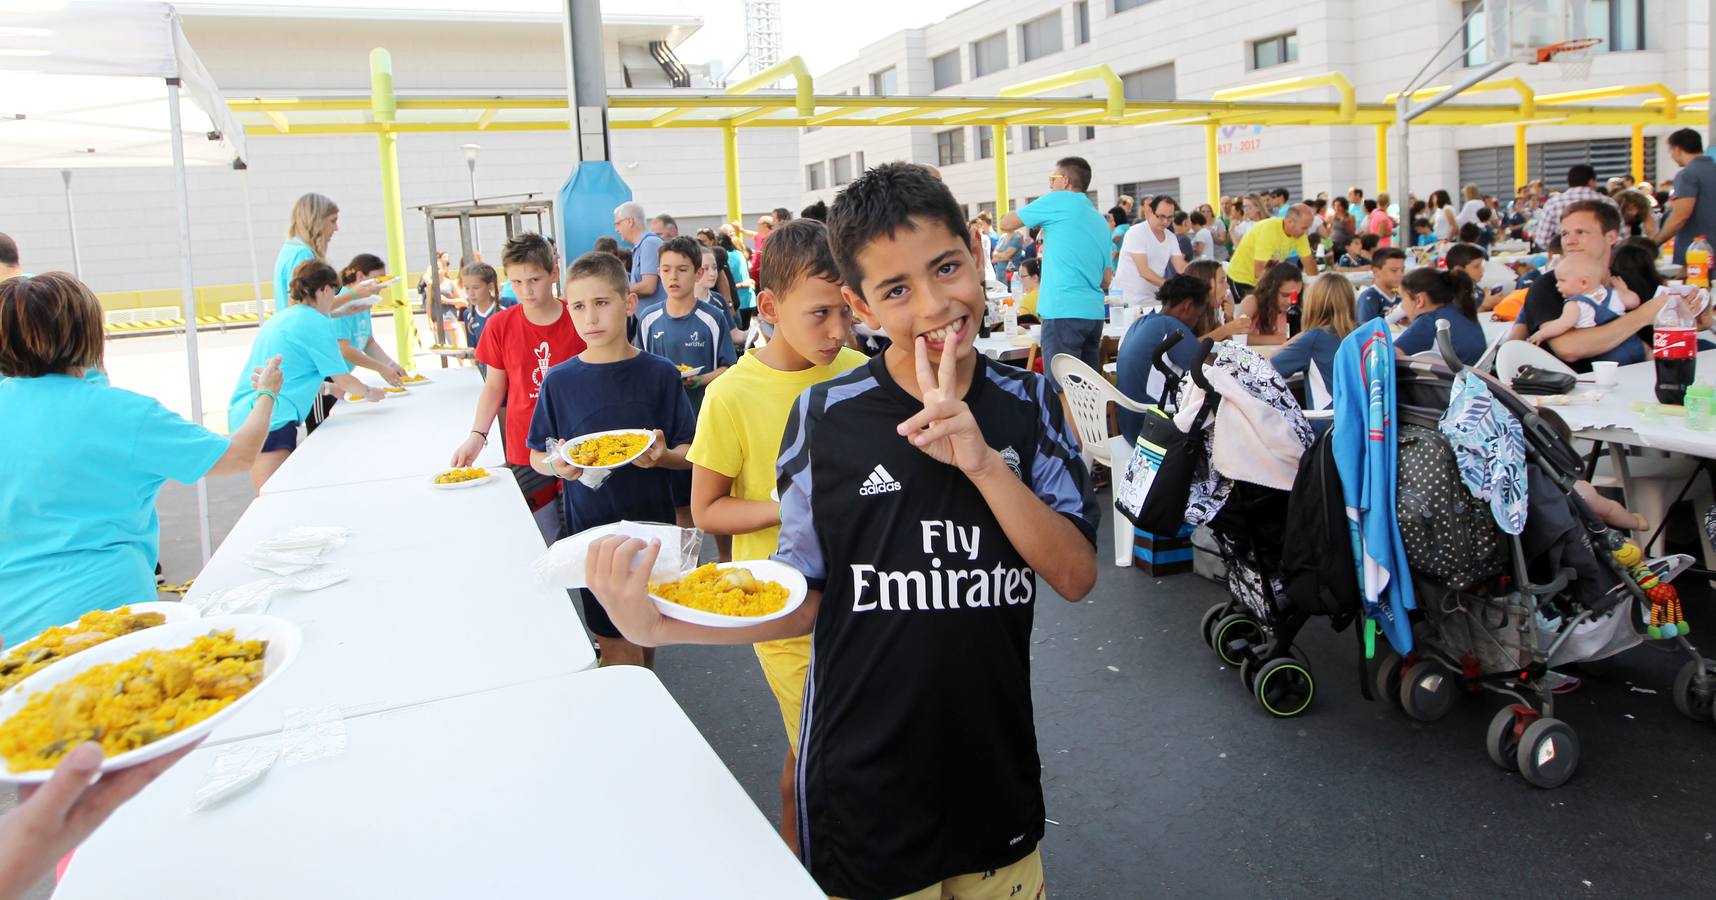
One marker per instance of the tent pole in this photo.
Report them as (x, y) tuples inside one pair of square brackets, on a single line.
[(71, 222), (181, 198), (383, 106), (250, 244)]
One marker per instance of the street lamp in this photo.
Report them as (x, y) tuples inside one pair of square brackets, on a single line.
[(471, 151)]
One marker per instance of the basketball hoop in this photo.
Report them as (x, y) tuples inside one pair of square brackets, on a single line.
[(1573, 57)]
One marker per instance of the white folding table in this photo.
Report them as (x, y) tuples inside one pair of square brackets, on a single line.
[(587, 785)]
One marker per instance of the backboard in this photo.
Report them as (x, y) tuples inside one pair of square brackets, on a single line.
[(1527, 31)]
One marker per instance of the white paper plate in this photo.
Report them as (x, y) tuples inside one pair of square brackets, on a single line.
[(460, 484), (567, 448), (764, 570), (284, 642), (422, 379), (694, 370)]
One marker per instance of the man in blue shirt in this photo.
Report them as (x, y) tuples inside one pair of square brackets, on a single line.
[(629, 221), (1077, 263), (1184, 300), (1692, 212)]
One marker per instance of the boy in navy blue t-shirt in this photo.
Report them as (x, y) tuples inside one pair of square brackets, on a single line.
[(611, 385), (686, 333)]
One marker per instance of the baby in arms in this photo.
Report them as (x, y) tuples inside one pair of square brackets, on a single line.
[(1588, 303)]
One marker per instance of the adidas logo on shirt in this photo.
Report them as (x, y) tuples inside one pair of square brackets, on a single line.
[(879, 482)]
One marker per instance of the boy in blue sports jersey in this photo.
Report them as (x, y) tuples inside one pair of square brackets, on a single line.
[(610, 385), (1382, 296), (687, 333), (921, 496)]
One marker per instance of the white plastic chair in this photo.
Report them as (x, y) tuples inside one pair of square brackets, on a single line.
[(1088, 395), (1516, 355)]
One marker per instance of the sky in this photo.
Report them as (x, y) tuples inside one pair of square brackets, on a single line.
[(825, 33)]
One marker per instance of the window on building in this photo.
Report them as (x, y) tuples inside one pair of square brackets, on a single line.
[(987, 208), (1256, 181), (1472, 32), (1040, 37), (989, 55), (1081, 22), (950, 147), (1040, 136), (885, 83), (858, 162), (1620, 24), (813, 177), (1121, 6), (1154, 83), (839, 170), (944, 70), (985, 142), (1275, 51)]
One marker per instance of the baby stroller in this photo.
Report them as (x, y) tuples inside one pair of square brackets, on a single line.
[(1500, 612), (1251, 630)]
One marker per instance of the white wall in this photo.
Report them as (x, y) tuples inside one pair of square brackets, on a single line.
[(1378, 44), (128, 228)]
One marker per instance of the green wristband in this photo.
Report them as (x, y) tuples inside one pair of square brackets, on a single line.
[(270, 394)]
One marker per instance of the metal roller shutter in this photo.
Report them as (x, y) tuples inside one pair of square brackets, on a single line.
[(1491, 168), (1141, 189), (1256, 181)]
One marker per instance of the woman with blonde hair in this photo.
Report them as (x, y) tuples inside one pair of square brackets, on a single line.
[(315, 218), (1474, 202), (1328, 319), (1251, 212), (85, 461)]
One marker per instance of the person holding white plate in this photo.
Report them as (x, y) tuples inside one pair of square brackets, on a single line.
[(84, 461), (609, 386), (356, 332)]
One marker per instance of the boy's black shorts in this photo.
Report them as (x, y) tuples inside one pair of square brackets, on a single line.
[(596, 618)]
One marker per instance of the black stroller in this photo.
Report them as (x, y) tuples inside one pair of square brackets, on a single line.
[(1552, 596), (1252, 631)]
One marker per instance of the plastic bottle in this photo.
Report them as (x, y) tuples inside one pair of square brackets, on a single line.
[(1698, 263), (1674, 343)]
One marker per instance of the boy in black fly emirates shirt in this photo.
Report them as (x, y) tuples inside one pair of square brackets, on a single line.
[(921, 496)]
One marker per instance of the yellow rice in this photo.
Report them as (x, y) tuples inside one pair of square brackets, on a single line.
[(724, 592), (126, 705), (61, 641), (454, 476), (609, 449)]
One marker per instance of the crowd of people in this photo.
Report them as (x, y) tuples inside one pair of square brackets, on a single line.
[(877, 469)]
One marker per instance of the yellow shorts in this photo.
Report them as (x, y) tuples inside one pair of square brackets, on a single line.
[(785, 664), (1022, 880)]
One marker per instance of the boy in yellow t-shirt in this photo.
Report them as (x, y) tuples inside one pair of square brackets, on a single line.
[(739, 438)]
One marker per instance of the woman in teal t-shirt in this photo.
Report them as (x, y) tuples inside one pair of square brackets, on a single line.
[(315, 218), (304, 339), (737, 263), (84, 461)]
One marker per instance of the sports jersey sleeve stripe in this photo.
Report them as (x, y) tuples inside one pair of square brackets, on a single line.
[(1057, 468), (799, 545), (644, 322), (715, 333)]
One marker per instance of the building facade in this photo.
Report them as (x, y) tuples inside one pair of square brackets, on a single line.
[(1188, 49), (127, 227)]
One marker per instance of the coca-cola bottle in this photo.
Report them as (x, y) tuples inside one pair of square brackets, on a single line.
[(1674, 343), (1295, 314)]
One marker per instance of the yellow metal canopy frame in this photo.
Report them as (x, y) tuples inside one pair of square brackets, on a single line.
[(750, 104)]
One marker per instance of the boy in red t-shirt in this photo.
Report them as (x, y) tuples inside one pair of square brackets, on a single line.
[(519, 345)]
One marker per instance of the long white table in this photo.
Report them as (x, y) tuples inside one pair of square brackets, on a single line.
[(588, 785), (1613, 419), (441, 600), (404, 436), (1002, 346)]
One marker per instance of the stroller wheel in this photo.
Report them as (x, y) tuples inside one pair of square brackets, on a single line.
[(1387, 677), (1206, 626), (1694, 700), (1548, 753), (1237, 627), (1427, 691), (1500, 740), (1284, 686), (1245, 673)]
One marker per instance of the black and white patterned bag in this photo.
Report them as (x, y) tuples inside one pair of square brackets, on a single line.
[(1450, 536)]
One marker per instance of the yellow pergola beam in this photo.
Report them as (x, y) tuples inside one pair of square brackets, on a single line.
[(486, 119), (1527, 97), (1349, 97), (748, 116), (668, 116), (1115, 101), (804, 86), (1667, 99), (280, 123), (841, 113), (986, 115)]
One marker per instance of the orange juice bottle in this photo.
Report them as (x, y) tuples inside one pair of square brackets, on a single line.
[(1698, 263)]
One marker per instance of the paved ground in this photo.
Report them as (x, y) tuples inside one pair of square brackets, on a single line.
[(1167, 780)]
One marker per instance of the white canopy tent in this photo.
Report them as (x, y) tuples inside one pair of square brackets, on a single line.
[(110, 83)]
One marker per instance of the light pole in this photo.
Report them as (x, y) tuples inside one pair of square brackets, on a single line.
[(471, 151)]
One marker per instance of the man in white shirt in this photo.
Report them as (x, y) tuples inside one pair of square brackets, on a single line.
[(1147, 251)]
